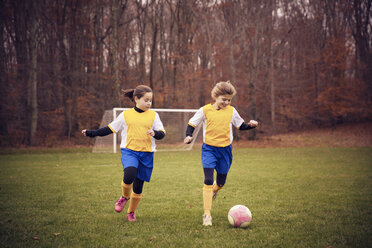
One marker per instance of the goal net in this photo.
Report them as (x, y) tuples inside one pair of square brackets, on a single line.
[(175, 124)]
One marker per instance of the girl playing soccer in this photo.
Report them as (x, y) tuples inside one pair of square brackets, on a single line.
[(139, 127), (217, 119)]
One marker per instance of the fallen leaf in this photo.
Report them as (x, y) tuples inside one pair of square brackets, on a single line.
[(56, 234), (151, 239)]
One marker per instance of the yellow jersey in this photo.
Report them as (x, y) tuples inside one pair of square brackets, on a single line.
[(134, 126), (217, 124)]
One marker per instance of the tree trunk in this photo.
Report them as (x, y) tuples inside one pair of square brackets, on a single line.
[(64, 65), (251, 66), (32, 97), (252, 84), (3, 78), (98, 71), (153, 54), (20, 43), (362, 36), (231, 59), (141, 28), (209, 47), (115, 53), (163, 53), (272, 8)]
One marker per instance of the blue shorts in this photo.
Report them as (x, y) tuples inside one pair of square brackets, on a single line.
[(143, 161), (219, 158)]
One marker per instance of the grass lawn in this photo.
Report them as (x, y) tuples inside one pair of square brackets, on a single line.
[(299, 197)]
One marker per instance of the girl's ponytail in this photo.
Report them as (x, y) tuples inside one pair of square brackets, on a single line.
[(129, 93), (139, 92)]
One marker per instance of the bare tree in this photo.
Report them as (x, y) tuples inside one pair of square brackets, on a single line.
[(362, 33), (3, 78), (32, 81)]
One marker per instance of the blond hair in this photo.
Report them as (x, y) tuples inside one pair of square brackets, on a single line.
[(223, 88)]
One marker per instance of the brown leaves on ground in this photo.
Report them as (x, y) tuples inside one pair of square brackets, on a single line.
[(344, 135)]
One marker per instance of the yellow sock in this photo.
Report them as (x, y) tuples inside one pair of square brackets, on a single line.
[(207, 198), (134, 200), (216, 188), (126, 189)]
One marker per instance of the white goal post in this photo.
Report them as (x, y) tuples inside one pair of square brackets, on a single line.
[(175, 124)]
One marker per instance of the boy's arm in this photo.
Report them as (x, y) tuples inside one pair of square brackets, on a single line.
[(99, 132), (189, 130), (250, 125), (238, 122), (194, 122)]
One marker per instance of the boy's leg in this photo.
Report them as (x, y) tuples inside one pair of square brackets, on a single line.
[(209, 161), (222, 168), (207, 200), (208, 190), (218, 184), (207, 196)]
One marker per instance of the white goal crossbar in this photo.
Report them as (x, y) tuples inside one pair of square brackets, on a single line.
[(115, 110)]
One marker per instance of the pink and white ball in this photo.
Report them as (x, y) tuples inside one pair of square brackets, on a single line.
[(239, 216)]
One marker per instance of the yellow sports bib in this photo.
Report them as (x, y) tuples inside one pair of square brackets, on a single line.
[(138, 124), (218, 125)]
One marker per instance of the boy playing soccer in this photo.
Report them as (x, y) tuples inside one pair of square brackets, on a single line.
[(217, 118)]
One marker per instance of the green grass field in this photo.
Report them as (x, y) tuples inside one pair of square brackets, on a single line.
[(299, 197)]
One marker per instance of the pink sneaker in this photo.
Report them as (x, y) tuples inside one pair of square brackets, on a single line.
[(120, 203), (131, 217)]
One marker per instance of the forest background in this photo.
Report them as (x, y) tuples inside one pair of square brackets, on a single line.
[(297, 64)]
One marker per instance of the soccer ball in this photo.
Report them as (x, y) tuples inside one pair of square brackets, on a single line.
[(239, 216)]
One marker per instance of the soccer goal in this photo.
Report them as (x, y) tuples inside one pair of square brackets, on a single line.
[(175, 124)]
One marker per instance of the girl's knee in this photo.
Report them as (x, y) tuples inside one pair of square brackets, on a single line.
[(208, 181), (130, 173)]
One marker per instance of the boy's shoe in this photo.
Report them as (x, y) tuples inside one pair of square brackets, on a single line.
[(120, 203), (131, 217), (214, 193), (207, 220)]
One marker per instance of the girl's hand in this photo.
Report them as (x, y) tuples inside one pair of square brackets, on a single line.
[(151, 132), (84, 132), (188, 140), (253, 123)]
